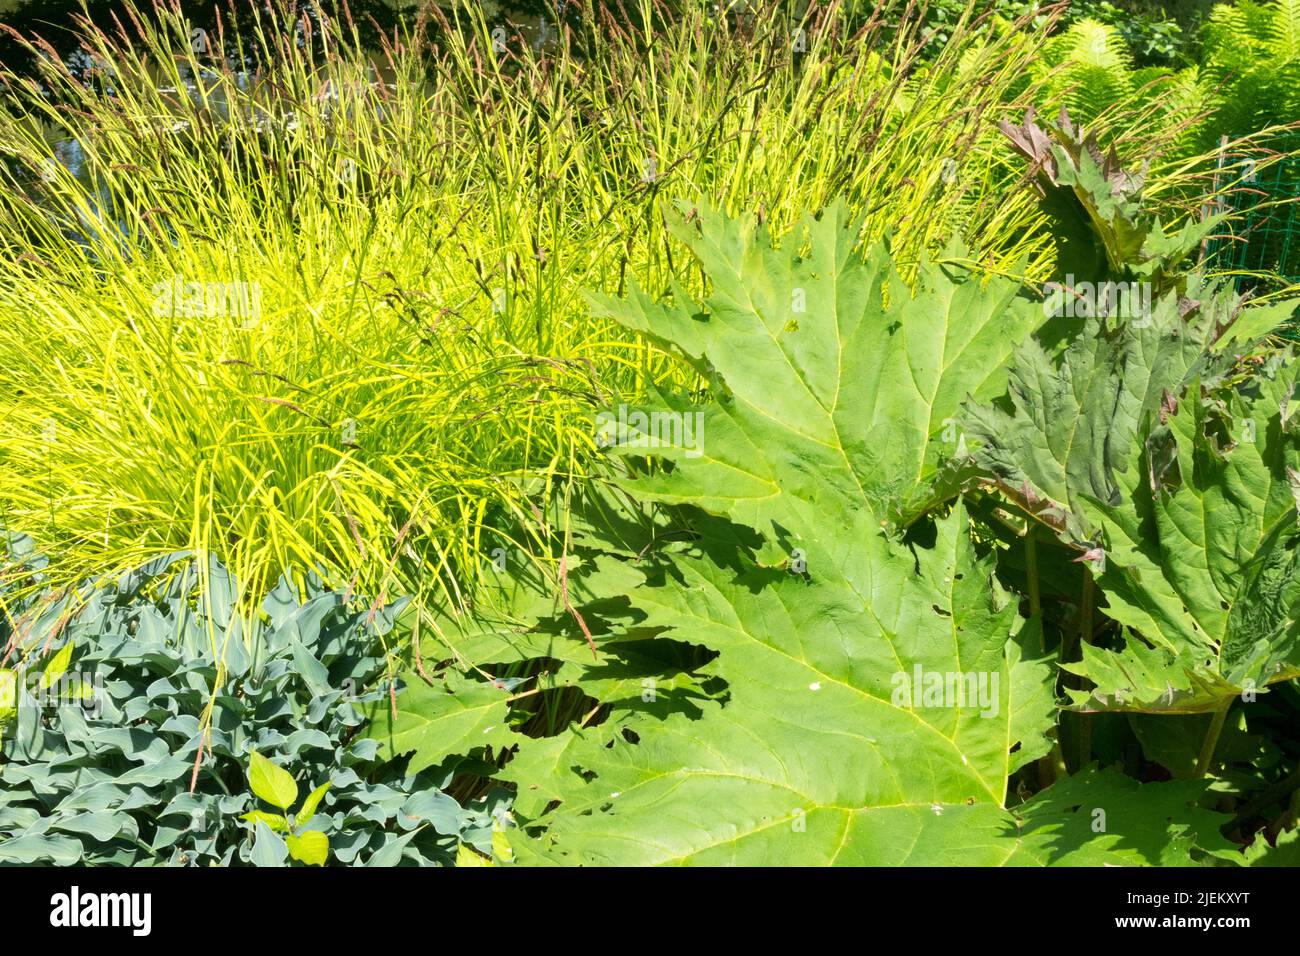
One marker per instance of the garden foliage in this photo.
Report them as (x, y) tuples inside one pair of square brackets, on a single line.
[(774, 612), (150, 735), (877, 550)]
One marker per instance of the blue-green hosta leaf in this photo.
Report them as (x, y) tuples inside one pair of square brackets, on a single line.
[(59, 850), (303, 624), (1206, 566), (115, 772), (312, 671), (432, 807), (268, 848), (305, 739), (103, 825), (390, 854), (869, 374), (220, 592)]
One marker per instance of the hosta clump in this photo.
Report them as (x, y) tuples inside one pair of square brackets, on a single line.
[(99, 762)]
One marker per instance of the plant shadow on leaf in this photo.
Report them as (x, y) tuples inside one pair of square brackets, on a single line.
[(1151, 824)]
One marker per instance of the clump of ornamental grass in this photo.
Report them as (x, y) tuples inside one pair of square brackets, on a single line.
[(302, 306)]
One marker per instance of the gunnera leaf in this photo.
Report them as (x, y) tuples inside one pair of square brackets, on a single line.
[(1203, 559), (842, 384), (1075, 421), (879, 693)]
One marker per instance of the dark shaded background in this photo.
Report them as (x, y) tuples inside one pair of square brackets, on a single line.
[(53, 19)]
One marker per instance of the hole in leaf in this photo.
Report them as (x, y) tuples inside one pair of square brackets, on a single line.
[(550, 712)]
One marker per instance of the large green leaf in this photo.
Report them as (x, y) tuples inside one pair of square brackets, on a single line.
[(865, 376), (1284, 852), (820, 752), (1203, 556), (842, 736), (1104, 817), (1069, 435), (454, 715), (465, 707)]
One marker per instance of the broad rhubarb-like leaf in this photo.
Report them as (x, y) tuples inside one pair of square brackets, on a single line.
[(821, 751), (878, 693), (1095, 208), (1070, 432), (1203, 556), (841, 385)]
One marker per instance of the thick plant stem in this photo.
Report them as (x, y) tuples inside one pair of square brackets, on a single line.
[(1051, 767), (1285, 789), (1084, 751), (1031, 569), (1085, 611), (1212, 739)]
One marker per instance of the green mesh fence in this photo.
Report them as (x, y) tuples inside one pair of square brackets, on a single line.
[(1264, 236)]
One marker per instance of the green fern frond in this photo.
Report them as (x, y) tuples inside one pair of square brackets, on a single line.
[(1089, 69), (1099, 45), (1251, 57), (1284, 29), (1259, 20), (1229, 41)]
